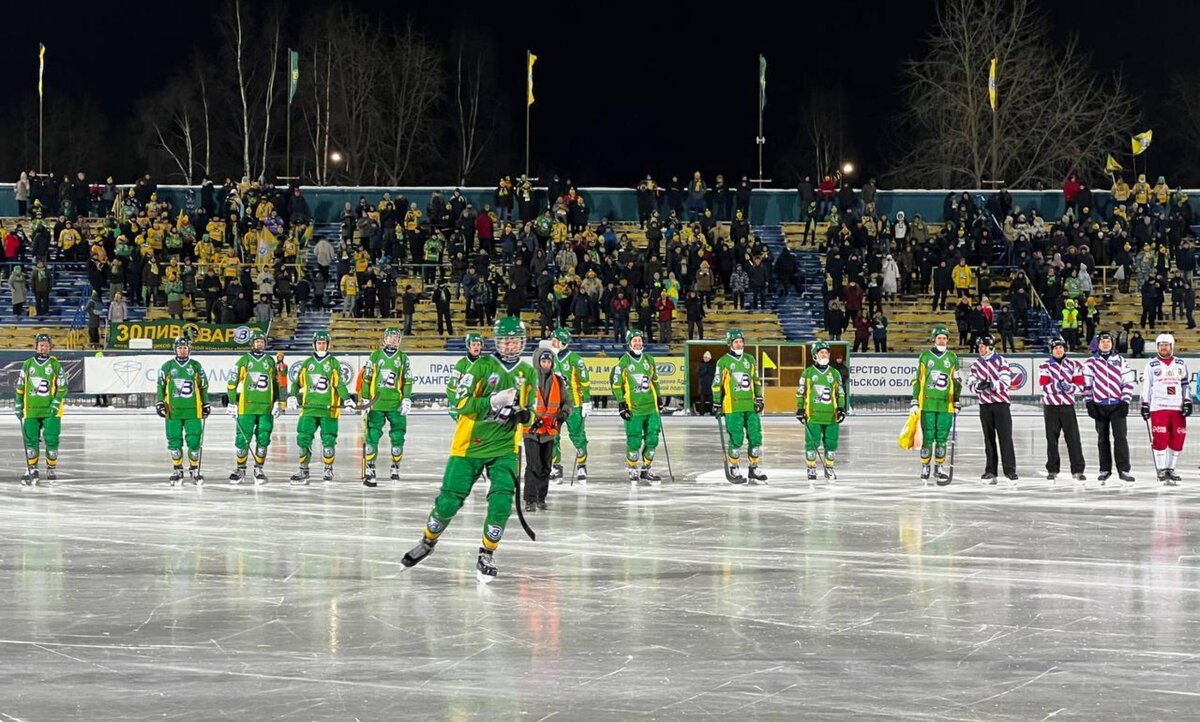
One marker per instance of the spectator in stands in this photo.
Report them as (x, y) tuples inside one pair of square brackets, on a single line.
[(758, 273), (581, 310), (694, 307), (1071, 189), (118, 309), (263, 311), (620, 315), (173, 289), (879, 333), (41, 287), (304, 296), (441, 304), (325, 255), (665, 307), (826, 194), (696, 190), (942, 283), (962, 320), (21, 193), (1006, 323), (16, 284), (1137, 344), (847, 200), (1150, 293), (852, 299), (862, 331), (739, 281), (744, 190), (963, 278), (408, 305), (835, 320), (706, 371), (349, 288)]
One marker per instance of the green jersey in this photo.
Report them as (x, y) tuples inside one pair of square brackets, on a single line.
[(183, 387), (254, 386), (820, 394), (320, 387), (386, 380), (573, 369), (460, 368), (737, 384), (41, 388), (936, 386), (635, 383), (482, 433)]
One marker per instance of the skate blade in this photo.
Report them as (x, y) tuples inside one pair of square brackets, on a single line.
[(370, 484), (483, 578)]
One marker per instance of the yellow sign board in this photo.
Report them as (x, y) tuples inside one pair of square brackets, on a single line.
[(670, 374)]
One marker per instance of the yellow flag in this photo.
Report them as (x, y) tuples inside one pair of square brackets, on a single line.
[(767, 363), (1111, 165), (529, 85), (992, 85), (41, 66), (1141, 142)]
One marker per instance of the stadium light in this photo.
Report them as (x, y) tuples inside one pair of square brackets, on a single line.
[(847, 168), (335, 156)]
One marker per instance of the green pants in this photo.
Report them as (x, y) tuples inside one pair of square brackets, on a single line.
[(306, 429), (177, 431), (935, 431), (739, 425), (641, 439), (398, 426), (257, 427), (578, 439), (458, 480), (33, 430), (814, 435)]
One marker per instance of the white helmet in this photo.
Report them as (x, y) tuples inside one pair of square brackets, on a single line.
[(1165, 338)]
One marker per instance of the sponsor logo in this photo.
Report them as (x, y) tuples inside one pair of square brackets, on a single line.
[(127, 370), (494, 380), (241, 335), (494, 532), (1019, 376), (435, 526)]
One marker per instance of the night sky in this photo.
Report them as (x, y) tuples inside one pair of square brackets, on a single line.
[(633, 88)]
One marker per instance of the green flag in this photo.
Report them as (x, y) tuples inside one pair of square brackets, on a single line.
[(293, 73), (762, 81)]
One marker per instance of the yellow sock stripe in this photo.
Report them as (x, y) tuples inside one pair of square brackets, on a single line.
[(489, 544)]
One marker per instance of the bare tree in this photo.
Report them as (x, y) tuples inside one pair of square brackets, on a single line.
[(238, 38), (467, 101), (269, 97), (1055, 114), (415, 82)]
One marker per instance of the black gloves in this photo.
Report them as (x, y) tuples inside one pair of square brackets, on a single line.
[(624, 411), (840, 417), (985, 385), (758, 406), (1145, 411), (161, 409), (205, 410), (801, 417)]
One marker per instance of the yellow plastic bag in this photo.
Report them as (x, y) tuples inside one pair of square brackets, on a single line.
[(910, 435)]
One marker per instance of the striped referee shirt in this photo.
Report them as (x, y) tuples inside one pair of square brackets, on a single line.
[(994, 368), (1107, 380), (1053, 371)]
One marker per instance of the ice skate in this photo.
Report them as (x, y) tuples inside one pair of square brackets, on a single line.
[(300, 478), (197, 477), (650, 477), (414, 556), (812, 473), (259, 477), (633, 475), (830, 474), (1012, 478), (543, 506), (29, 478), (756, 476), (327, 476), (556, 473), (1126, 477), (531, 506), (581, 476), (238, 476), (926, 470), (1079, 479), (1103, 477), (51, 475), (1171, 478), (176, 477), (988, 478), (369, 477), (485, 568), (1050, 476), (942, 477), (395, 472)]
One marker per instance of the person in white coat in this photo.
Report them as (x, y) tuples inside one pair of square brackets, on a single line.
[(891, 278)]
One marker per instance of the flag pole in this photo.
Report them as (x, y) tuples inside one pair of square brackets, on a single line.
[(41, 71), (528, 104), (760, 139)]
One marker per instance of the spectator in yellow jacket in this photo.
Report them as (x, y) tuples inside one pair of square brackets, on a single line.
[(963, 278), (349, 288)]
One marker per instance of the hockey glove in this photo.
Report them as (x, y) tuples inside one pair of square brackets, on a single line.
[(405, 407), (585, 410), (662, 403), (985, 385), (914, 407), (292, 403), (957, 406), (1065, 387), (1145, 412), (759, 405), (801, 417), (624, 411), (719, 410), (161, 409), (205, 410), (523, 416), (1091, 409), (500, 399), (350, 403), (1187, 407), (841, 416), (231, 410)]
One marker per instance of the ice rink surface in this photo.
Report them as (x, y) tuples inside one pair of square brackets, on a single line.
[(871, 599)]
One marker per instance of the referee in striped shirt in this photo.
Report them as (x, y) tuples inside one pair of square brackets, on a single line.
[(1108, 388), (990, 378)]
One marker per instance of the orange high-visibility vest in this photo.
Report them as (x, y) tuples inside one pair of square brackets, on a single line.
[(547, 408)]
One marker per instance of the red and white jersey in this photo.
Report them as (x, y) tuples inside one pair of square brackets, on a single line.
[(1167, 384)]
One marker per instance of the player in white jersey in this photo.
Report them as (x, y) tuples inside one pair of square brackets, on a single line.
[(1166, 404)]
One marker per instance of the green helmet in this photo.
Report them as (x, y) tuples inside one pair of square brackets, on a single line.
[(182, 342), (633, 333), (320, 336), (506, 330), (732, 335), (41, 337), (473, 338), (388, 333), (818, 347), (563, 336), (258, 336), (939, 330)]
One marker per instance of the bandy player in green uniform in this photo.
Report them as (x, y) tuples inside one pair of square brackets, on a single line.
[(182, 400), (738, 396), (255, 401), (40, 396), (492, 403), (387, 394), (935, 395), (635, 387), (571, 366), (319, 391), (474, 344), (821, 407)]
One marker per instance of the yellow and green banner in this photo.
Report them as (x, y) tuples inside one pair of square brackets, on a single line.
[(162, 333)]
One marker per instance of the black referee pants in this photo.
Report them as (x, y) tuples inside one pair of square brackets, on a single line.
[(1061, 420), (997, 425), (1111, 418)]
